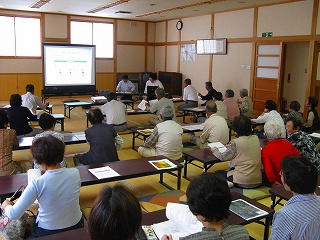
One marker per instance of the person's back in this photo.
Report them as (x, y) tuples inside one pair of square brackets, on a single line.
[(231, 104), (247, 161), (222, 109), (209, 199), (102, 144), (215, 129), (8, 142), (170, 139), (115, 112), (31, 101)]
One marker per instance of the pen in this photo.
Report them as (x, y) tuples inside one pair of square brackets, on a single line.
[(13, 196)]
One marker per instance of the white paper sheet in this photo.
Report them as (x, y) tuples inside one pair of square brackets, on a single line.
[(317, 135), (193, 127), (142, 105), (103, 172), (218, 145)]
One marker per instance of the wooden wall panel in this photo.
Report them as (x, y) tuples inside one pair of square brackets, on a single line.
[(266, 83), (8, 86), (30, 78), (264, 95), (105, 81)]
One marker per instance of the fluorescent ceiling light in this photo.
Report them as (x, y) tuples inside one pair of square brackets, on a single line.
[(109, 5), (40, 3)]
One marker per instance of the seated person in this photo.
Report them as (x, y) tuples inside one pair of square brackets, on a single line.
[(125, 85), (209, 199), (270, 114), (294, 109), (31, 101), (299, 217), (245, 155), (215, 128), (116, 214), (47, 123), (158, 105), (210, 93), (153, 81), (19, 118), (231, 104), (166, 138), (246, 106), (57, 192), (190, 96), (221, 107), (312, 123), (302, 141), (101, 138), (115, 112), (274, 151), (8, 142)]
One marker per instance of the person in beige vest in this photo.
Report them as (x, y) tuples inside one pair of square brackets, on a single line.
[(245, 155), (215, 128), (166, 138)]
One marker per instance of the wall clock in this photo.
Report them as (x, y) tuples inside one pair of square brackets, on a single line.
[(179, 25)]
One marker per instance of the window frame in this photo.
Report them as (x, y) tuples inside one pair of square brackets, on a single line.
[(92, 22), (15, 47)]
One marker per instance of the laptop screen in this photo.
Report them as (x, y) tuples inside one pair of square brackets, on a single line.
[(151, 89)]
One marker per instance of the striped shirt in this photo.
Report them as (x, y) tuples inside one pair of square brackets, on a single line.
[(298, 219), (228, 232)]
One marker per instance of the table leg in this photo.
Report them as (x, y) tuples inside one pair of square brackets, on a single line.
[(185, 167), (133, 140), (267, 227), (179, 179), (183, 116), (273, 201), (62, 124)]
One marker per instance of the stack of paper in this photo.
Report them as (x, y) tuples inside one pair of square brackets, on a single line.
[(317, 135)]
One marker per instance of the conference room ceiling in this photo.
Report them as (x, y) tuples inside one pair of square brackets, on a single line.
[(146, 10)]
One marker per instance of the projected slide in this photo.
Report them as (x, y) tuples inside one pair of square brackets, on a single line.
[(69, 65)]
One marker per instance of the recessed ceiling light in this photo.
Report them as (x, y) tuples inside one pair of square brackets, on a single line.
[(242, 2), (152, 4), (196, 10)]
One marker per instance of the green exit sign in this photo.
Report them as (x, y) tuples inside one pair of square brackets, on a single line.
[(267, 34)]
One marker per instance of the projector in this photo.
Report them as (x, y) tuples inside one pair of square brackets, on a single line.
[(99, 99)]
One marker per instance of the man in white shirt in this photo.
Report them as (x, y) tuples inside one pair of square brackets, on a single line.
[(31, 101), (125, 85), (190, 96), (115, 112), (215, 128), (153, 81)]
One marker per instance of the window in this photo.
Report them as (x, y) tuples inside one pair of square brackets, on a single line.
[(99, 34), (20, 36)]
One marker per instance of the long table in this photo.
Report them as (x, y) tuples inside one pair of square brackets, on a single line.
[(68, 138), (281, 193), (127, 169), (68, 106), (196, 111), (160, 216)]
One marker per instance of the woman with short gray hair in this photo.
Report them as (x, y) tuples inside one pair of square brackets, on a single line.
[(273, 153), (245, 105)]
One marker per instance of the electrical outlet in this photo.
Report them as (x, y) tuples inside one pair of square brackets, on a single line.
[(248, 67), (242, 66)]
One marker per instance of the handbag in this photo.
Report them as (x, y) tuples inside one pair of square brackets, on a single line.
[(13, 229)]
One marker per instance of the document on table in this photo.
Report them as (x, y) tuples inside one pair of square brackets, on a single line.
[(317, 135), (162, 164), (218, 145), (246, 210), (193, 127), (104, 172)]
